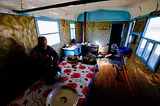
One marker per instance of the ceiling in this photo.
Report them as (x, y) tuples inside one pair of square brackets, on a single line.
[(134, 7)]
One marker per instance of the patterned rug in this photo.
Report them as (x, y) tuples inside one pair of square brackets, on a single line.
[(77, 75)]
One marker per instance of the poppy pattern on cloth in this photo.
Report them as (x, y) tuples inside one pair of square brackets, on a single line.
[(80, 75), (76, 75)]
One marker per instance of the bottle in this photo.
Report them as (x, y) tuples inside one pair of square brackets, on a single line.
[(81, 58)]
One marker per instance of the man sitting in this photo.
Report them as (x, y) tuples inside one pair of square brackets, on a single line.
[(114, 55), (45, 59)]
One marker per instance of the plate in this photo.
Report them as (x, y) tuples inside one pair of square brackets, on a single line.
[(72, 61), (63, 95)]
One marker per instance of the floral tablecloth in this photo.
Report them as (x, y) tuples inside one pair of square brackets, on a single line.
[(77, 75)]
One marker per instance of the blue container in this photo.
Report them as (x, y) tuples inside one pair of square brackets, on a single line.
[(124, 50)]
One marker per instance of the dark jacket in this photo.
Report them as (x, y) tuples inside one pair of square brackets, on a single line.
[(44, 56)]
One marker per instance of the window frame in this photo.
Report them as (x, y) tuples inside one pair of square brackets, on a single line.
[(133, 32), (48, 19), (146, 45), (73, 28), (129, 35)]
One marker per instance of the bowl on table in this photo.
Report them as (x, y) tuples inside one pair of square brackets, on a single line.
[(72, 58)]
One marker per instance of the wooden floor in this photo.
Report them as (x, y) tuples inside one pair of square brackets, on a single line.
[(106, 89)]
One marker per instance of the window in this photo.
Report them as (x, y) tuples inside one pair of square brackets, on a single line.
[(149, 47), (50, 30), (133, 24), (154, 55), (130, 30), (73, 30)]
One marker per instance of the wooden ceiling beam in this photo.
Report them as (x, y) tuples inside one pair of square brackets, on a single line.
[(58, 5)]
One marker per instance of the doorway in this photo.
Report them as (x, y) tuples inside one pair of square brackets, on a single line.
[(115, 37)]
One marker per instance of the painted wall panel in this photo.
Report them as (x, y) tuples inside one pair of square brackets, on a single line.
[(17, 31), (79, 30), (140, 24), (105, 15), (17, 37), (98, 33), (65, 36)]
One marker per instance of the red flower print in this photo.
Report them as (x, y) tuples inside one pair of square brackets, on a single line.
[(76, 64), (82, 67), (72, 84), (75, 75), (80, 101), (63, 63), (92, 69), (89, 75), (20, 96), (36, 87), (46, 56), (46, 92), (25, 102), (84, 91), (68, 70), (34, 54), (63, 79), (14, 105)]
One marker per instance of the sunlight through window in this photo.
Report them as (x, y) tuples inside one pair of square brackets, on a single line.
[(141, 48), (154, 57), (73, 30), (149, 46), (153, 30), (50, 30)]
